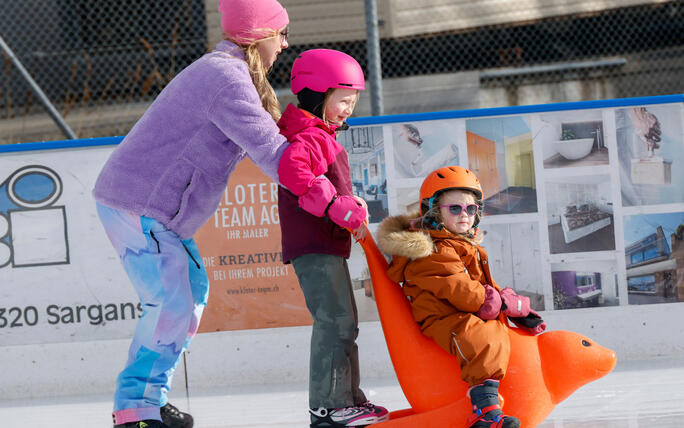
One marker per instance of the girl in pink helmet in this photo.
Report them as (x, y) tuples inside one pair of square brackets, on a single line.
[(166, 179), (317, 210)]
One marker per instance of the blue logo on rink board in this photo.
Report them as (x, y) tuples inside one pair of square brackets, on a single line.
[(33, 231), (34, 187)]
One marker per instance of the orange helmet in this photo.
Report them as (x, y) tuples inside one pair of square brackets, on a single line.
[(449, 177)]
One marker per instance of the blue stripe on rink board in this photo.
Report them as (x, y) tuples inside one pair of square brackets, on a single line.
[(62, 144), (502, 111), (380, 120)]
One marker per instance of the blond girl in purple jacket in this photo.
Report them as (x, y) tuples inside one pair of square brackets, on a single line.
[(166, 179)]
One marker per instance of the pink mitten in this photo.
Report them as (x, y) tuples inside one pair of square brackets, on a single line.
[(345, 211), (514, 305), (492, 305)]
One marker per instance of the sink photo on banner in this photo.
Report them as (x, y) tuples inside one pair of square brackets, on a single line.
[(578, 140)]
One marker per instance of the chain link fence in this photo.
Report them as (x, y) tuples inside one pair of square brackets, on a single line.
[(101, 62)]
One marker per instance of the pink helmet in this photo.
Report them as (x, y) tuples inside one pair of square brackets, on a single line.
[(322, 69)]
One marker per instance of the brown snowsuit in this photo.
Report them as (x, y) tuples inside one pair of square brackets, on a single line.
[(444, 277)]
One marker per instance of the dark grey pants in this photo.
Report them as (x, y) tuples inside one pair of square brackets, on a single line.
[(334, 364)]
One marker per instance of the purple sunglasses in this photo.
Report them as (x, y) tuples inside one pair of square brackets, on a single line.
[(456, 209)]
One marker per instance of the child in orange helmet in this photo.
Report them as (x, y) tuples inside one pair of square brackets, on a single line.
[(445, 274)]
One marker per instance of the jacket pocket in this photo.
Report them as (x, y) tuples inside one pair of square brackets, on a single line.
[(185, 195), (166, 198)]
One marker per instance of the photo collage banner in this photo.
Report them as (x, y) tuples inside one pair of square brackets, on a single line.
[(582, 207)]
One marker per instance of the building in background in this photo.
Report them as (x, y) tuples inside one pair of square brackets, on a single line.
[(678, 256), (651, 270), (101, 62)]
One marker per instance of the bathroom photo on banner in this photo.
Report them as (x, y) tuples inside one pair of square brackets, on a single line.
[(419, 148), (572, 140), (584, 284), (366, 150), (651, 152), (500, 154), (580, 214), (654, 246)]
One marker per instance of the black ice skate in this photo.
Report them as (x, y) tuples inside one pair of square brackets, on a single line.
[(147, 423), (174, 418)]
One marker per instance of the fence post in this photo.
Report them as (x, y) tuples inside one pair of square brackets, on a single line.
[(59, 120), (374, 63)]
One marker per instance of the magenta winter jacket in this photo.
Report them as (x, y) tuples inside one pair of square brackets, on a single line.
[(174, 164), (313, 151)]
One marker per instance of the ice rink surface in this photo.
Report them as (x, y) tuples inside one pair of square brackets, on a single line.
[(641, 394)]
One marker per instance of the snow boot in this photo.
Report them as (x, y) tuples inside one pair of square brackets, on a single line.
[(487, 408)]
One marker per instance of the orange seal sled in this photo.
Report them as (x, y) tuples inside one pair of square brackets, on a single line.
[(543, 370)]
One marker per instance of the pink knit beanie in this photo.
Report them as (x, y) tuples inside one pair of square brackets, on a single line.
[(246, 21)]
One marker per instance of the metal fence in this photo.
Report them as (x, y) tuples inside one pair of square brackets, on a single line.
[(100, 62)]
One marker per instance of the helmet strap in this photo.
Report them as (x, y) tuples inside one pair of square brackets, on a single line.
[(431, 203), (312, 101)]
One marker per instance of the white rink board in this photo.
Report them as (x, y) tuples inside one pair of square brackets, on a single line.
[(246, 357), (64, 282), (67, 310)]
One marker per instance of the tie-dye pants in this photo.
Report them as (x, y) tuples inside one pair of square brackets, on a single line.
[(173, 287)]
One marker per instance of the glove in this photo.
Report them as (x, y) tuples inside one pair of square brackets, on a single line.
[(345, 211), (492, 305), (532, 323), (514, 305)]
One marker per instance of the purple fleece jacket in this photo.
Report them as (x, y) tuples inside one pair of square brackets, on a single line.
[(174, 164)]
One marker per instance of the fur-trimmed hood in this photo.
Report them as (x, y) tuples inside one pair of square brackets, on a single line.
[(397, 238)]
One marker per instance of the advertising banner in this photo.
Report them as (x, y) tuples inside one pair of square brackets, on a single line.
[(583, 204), (60, 279), (240, 247)]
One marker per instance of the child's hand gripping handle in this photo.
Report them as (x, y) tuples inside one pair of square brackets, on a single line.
[(517, 309), (347, 212), (532, 323), (514, 305)]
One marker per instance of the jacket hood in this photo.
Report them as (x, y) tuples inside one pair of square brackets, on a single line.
[(397, 238), (294, 120)]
